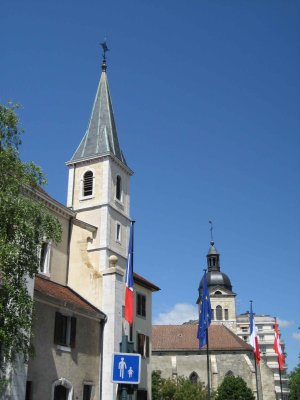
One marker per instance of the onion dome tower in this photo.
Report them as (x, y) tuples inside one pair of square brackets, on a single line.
[(220, 290)]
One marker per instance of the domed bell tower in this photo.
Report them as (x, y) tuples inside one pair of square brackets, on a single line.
[(222, 297)]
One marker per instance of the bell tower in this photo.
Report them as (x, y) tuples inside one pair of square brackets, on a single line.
[(222, 297), (98, 185), (99, 193)]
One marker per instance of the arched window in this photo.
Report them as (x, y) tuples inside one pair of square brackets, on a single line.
[(88, 179), (194, 378), (219, 313), (62, 390), (119, 188), (218, 292)]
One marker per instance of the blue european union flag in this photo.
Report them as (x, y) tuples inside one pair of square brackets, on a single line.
[(205, 314)]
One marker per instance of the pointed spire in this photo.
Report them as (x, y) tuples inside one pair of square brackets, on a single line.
[(101, 135)]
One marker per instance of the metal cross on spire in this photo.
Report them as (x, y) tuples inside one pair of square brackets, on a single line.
[(105, 49), (211, 231)]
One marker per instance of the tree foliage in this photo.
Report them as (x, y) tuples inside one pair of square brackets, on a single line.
[(294, 383), (180, 389), (234, 388), (25, 224)]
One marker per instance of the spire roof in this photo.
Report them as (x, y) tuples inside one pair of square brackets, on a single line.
[(101, 135)]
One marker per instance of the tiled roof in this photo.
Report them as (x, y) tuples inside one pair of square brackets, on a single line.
[(184, 338), (144, 282), (64, 295)]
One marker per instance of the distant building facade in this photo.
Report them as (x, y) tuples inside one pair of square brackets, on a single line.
[(266, 334)]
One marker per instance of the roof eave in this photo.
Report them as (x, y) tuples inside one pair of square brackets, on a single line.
[(99, 156)]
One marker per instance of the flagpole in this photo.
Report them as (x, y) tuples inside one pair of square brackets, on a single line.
[(207, 362), (280, 377), (124, 346), (256, 377)]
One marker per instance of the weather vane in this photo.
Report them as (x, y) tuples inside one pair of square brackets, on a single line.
[(211, 230), (105, 49)]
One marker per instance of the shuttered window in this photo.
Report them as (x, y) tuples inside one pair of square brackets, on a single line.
[(88, 181), (143, 344), (64, 330), (119, 188)]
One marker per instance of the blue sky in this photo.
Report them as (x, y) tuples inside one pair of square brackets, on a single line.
[(206, 97)]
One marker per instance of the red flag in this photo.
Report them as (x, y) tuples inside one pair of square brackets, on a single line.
[(129, 299), (277, 347)]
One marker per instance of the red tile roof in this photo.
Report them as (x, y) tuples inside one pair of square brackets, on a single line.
[(144, 282), (184, 338), (65, 295)]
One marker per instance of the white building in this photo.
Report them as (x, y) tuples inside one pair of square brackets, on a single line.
[(266, 335)]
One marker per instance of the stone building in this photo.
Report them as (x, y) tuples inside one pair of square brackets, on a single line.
[(176, 353), (176, 349), (79, 293)]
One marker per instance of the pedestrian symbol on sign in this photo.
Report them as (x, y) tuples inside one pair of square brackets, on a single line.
[(122, 367), (130, 372)]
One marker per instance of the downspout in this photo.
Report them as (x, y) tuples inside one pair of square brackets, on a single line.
[(102, 325), (69, 245)]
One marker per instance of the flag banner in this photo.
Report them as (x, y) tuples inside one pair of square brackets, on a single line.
[(277, 347), (253, 336), (205, 314), (129, 299)]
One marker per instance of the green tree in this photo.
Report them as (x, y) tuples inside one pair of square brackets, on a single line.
[(180, 389), (294, 383), (234, 388), (25, 224)]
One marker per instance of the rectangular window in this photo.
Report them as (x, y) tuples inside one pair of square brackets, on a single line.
[(141, 305), (143, 344), (87, 392), (118, 236), (226, 314), (64, 330), (45, 258), (263, 349), (212, 314), (28, 395)]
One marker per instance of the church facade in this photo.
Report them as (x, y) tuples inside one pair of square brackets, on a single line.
[(79, 292), (176, 347)]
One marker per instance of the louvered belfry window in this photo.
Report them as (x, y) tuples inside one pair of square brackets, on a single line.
[(88, 183), (119, 188)]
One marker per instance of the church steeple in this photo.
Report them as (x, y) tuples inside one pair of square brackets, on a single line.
[(101, 136)]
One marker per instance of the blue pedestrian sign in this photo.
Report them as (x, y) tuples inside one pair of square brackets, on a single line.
[(126, 368)]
